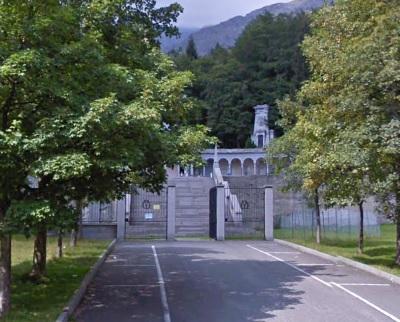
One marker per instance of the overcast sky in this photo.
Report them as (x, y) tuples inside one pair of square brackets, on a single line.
[(200, 13)]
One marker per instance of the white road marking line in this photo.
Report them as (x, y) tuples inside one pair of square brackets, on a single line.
[(362, 284), (131, 285), (315, 265), (291, 265), (133, 265), (391, 316), (294, 253), (164, 301)]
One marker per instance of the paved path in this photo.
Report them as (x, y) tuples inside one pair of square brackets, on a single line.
[(232, 282)]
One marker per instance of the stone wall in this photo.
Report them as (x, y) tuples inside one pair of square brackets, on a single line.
[(99, 231)]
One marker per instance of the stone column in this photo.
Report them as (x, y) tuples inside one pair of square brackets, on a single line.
[(241, 168), (204, 171), (171, 213), (229, 167), (269, 213), (121, 211), (254, 168), (220, 213)]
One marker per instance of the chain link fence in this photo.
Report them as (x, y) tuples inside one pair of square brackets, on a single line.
[(336, 223)]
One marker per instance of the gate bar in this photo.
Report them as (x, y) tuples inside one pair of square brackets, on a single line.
[(220, 205)]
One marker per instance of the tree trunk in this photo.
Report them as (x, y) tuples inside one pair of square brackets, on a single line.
[(73, 239), (318, 216), (77, 229), (5, 268), (40, 253), (60, 244), (398, 240), (5, 275), (397, 221), (361, 237)]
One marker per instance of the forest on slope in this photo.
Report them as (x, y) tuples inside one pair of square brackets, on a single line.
[(265, 65)]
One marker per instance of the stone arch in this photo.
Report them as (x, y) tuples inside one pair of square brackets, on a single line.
[(236, 166), (209, 167), (248, 167), (224, 166), (261, 167)]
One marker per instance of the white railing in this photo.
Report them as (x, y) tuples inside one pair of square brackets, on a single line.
[(231, 200)]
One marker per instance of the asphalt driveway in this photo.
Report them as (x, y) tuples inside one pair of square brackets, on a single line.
[(232, 281)]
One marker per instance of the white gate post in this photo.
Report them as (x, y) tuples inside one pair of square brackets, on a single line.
[(220, 213), (171, 212), (269, 213), (121, 213)]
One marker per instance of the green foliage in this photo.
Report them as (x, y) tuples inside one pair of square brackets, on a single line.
[(265, 65), (27, 216), (191, 51), (88, 103), (343, 126)]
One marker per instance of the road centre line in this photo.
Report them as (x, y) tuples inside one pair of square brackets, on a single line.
[(164, 301), (294, 253), (292, 266), (391, 316)]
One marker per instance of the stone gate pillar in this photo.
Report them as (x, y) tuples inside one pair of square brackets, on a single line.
[(171, 212), (269, 213), (121, 214)]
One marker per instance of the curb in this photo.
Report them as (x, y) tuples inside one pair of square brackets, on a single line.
[(342, 260), (80, 292)]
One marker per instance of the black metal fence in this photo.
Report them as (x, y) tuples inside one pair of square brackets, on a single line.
[(148, 215), (244, 213), (97, 213)]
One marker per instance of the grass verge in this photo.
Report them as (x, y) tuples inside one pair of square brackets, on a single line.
[(378, 252), (43, 302)]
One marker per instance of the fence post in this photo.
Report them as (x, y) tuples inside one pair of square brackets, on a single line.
[(171, 212), (269, 213), (121, 213), (220, 233)]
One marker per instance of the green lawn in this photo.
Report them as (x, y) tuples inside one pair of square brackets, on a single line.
[(43, 302), (379, 252)]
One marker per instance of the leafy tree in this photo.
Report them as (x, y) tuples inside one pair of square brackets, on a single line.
[(191, 50), (351, 104), (89, 106)]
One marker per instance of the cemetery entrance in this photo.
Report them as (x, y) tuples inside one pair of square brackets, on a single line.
[(244, 213), (147, 216)]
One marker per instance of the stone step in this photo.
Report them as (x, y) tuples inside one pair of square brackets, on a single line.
[(192, 221), (192, 215)]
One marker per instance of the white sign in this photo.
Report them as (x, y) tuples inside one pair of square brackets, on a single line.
[(148, 216)]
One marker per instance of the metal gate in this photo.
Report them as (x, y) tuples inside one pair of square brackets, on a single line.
[(213, 212), (148, 215), (245, 213)]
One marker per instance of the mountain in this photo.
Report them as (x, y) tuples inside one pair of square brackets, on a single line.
[(228, 31), (169, 44)]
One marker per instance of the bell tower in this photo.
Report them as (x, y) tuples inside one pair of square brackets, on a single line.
[(262, 134)]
